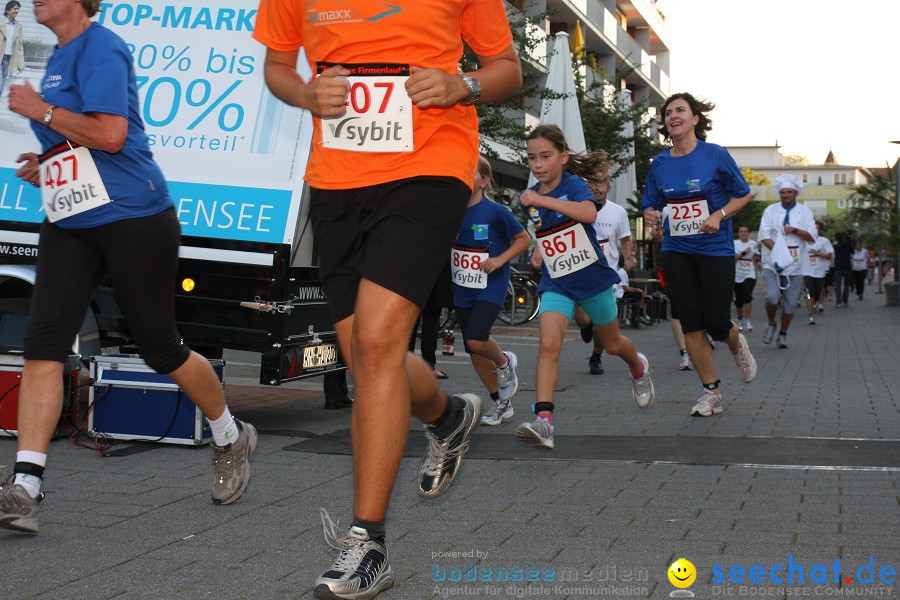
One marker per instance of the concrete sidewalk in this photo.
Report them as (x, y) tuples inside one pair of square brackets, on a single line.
[(596, 522)]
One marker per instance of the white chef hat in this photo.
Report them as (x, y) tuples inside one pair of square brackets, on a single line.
[(787, 181)]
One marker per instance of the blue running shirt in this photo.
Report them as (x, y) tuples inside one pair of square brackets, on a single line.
[(94, 73), (588, 281), (485, 232), (682, 183)]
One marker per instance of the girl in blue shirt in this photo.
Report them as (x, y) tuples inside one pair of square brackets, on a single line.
[(573, 270), (700, 187), (480, 264)]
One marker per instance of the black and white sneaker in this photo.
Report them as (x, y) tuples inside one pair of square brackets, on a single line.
[(443, 456), (361, 570)]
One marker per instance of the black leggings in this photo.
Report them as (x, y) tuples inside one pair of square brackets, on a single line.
[(859, 282), (140, 257), (701, 288)]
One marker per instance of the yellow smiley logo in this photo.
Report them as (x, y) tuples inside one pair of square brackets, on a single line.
[(682, 573)]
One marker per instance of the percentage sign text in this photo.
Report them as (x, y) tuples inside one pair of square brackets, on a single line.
[(169, 54)]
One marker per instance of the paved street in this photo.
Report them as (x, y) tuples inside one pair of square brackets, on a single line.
[(801, 469)]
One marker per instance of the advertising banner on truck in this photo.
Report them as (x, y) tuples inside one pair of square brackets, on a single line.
[(233, 155)]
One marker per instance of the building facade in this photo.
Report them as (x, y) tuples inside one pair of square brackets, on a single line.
[(826, 188)]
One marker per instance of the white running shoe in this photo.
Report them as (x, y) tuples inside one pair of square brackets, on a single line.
[(769, 334), (500, 410), (507, 378), (642, 387), (748, 325), (746, 364), (709, 404), (782, 341), (685, 363), (537, 433)]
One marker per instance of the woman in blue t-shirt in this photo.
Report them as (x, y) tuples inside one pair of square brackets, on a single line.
[(699, 187), (573, 269), (109, 214), (479, 262)]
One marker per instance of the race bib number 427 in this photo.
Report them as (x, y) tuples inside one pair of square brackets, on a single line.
[(379, 111), (70, 182)]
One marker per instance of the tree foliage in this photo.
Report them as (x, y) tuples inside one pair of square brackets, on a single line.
[(603, 119), (873, 208), (797, 160), (754, 178)]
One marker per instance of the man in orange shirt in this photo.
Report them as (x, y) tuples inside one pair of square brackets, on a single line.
[(394, 150)]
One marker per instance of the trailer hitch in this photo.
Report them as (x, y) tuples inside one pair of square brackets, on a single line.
[(269, 307)]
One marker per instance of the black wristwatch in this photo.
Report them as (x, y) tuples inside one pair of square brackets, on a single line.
[(474, 89)]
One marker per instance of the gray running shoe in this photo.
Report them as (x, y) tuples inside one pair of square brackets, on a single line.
[(18, 510), (746, 364), (507, 378), (595, 366), (709, 404), (537, 433), (782, 341), (232, 465), (768, 334), (443, 457), (361, 570), (500, 410), (642, 388)]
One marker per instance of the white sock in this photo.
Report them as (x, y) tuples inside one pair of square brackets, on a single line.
[(224, 429), (31, 483)]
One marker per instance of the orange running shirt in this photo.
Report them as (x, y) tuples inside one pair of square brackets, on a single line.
[(419, 33)]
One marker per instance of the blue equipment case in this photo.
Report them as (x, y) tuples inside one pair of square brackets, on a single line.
[(131, 401)]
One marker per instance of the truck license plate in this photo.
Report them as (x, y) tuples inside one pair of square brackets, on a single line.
[(319, 356)]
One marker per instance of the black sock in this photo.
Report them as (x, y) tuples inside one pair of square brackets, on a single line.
[(451, 418), (495, 395), (782, 333), (596, 356), (375, 528), (682, 352)]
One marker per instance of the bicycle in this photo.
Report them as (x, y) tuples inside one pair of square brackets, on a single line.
[(522, 301)]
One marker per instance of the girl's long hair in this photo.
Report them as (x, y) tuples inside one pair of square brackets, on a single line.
[(593, 167)]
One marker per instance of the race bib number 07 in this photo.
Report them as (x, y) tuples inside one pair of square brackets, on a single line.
[(686, 216), (379, 111), (566, 249), (70, 182)]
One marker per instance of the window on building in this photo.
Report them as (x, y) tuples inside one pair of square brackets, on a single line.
[(804, 177), (840, 178), (842, 203)]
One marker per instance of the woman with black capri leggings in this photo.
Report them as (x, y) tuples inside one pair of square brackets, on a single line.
[(109, 214), (695, 187)]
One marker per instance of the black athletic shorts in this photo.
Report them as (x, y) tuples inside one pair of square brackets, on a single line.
[(814, 285), (743, 292), (475, 321), (396, 234), (701, 289)]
